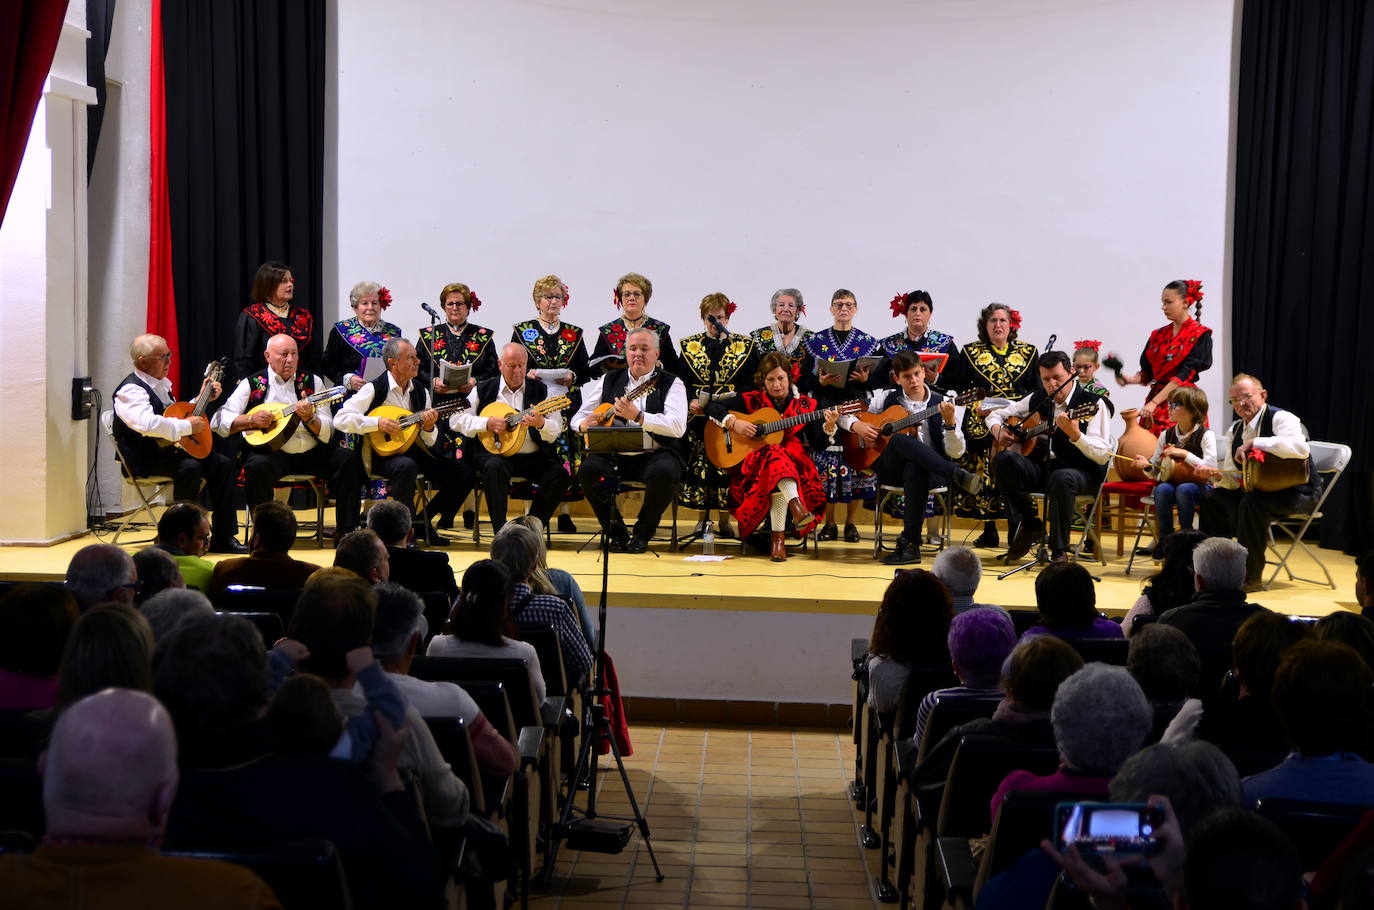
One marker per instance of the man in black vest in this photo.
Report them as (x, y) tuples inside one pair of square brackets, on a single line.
[(662, 413), (139, 402), (535, 460), (1259, 427), (397, 386), (1074, 462), (308, 450), (912, 461)]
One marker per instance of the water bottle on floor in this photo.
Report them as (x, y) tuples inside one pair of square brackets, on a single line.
[(708, 540)]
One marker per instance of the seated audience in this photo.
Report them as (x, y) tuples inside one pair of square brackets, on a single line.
[(1100, 719), (1067, 601), (517, 549), (101, 573), (157, 571), (184, 531), (396, 634), (109, 777), (165, 610), (979, 642), (1030, 677), (1348, 628), (548, 580), (419, 570), (480, 621), (910, 630), (211, 673), (1364, 569), (1240, 861), (961, 570), (1167, 666), (35, 622), (111, 646), (363, 553), (268, 563), (333, 617), (1321, 694), (306, 718), (1219, 607), (1173, 585)]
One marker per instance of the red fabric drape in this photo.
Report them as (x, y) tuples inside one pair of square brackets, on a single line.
[(29, 30), (162, 304)]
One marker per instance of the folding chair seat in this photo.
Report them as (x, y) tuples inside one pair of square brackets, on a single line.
[(245, 599), (303, 874), (147, 488), (520, 488), (1086, 506), (1102, 650), (1329, 459), (269, 625), (295, 481), (888, 492)]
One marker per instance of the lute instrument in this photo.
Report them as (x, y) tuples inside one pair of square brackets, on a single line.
[(198, 444), (383, 443), (861, 454), (727, 449), (604, 414), (1030, 430), (512, 439), (284, 418)]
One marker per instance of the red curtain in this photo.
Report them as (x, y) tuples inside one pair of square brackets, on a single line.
[(29, 30), (162, 304)]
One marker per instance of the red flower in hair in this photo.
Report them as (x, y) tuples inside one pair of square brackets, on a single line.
[(898, 305), (1194, 293), (615, 297), (1015, 319), (384, 297), (730, 309), (1090, 343), (567, 296), (473, 303)]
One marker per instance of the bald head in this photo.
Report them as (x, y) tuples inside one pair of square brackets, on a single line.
[(111, 767), (101, 572), (514, 361), (144, 345), (282, 355)]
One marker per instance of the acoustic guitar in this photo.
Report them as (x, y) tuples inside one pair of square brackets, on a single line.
[(861, 454), (1030, 430), (604, 415), (198, 444), (512, 439), (284, 418), (727, 449), (398, 443)]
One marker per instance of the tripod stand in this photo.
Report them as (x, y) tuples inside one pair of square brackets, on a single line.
[(606, 834)]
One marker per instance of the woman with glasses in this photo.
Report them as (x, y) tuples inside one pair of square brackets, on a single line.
[(1175, 355), (271, 313), (631, 297), (457, 341)]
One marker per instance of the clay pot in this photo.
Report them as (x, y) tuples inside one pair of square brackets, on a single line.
[(1135, 441)]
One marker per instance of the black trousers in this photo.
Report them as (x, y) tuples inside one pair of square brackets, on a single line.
[(218, 472), (660, 472), (911, 463), (1016, 475), (343, 468), (541, 467), (1245, 516), (452, 479)]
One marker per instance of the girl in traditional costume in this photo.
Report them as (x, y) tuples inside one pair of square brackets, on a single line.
[(1175, 355)]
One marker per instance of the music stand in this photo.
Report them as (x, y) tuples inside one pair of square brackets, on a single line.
[(587, 833)]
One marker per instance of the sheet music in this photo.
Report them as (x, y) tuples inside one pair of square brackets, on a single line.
[(372, 368), (454, 375)]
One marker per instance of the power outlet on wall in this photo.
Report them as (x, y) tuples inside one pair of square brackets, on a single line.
[(83, 397)]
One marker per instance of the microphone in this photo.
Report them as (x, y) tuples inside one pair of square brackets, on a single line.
[(1049, 345), (720, 326), (431, 311)]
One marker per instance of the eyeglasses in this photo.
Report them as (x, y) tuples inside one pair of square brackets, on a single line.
[(631, 295), (134, 586), (550, 296), (1237, 399), (165, 358), (1174, 404), (844, 305)]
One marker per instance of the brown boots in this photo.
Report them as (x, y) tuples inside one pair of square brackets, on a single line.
[(779, 546)]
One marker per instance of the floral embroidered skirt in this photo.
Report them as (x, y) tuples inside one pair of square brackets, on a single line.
[(841, 482)]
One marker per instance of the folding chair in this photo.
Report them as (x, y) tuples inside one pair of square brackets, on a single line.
[(1329, 458), (1086, 505), (160, 485), (886, 493), (316, 485), (479, 497)]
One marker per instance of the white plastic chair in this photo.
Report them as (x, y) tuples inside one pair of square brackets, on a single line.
[(1330, 459)]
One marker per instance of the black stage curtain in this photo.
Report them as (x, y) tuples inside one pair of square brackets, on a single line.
[(1304, 241), (245, 158), (99, 22)]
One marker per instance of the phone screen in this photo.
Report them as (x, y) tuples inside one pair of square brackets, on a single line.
[(1107, 827)]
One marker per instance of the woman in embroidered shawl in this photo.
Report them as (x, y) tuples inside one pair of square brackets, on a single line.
[(359, 337), (631, 297), (786, 334)]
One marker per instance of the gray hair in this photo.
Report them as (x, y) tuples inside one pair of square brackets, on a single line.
[(1220, 562), (1165, 662), (157, 570), (144, 345), (390, 520), (400, 612), (361, 290), (392, 349), (539, 578), (1100, 719), (516, 548), (785, 292), (1197, 777), (643, 331), (96, 570), (167, 608), (960, 569)]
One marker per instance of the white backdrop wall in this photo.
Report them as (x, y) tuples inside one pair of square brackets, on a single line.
[(1067, 157)]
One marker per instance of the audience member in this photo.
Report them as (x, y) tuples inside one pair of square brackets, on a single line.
[(1240, 861), (979, 642), (110, 646), (269, 563), (165, 610), (335, 616), (1067, 601), (184, 531), (363, 553), (961, 570), (910, 630), (1364, 569), (1348, 628), (101, 573), (549, 580), (1173, 585), (480, 621), (1211, 618), (1167, 666), (1321, 694), (35, 622), (236, 790), (109, 778), (157, 571), (419, 570), (1100, 719), (396, 634), (517, 550)]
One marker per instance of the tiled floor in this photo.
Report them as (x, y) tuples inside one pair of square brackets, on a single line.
[(739, 818)]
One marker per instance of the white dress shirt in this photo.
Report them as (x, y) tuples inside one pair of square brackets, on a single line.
[(954, 437), (352, 417), (470, 423), (1288, 441), (132, 406), (1208, 459), (282, 391), (1095, 441), (672, 422)]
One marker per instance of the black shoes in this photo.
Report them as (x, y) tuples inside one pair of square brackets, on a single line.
[(1028, 534), (829, 532), (905, 554), (228, 545), (851, 534), (637, 544), (565, 525), (989, 539)]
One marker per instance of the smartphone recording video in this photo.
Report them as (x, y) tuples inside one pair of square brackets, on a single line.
[(1108, 828)]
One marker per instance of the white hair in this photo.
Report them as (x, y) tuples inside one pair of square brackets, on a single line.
[(960, 569), (1220, 562), (361, 290), (643, 331), (144, 345), (170, 606)]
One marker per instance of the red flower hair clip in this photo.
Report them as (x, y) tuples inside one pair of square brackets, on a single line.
[(730, 309), (1089, 343), (1194, 293), (474, 304), (898, 305), (1015, 317), (567, 296), (384, 297), (615, 297)]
